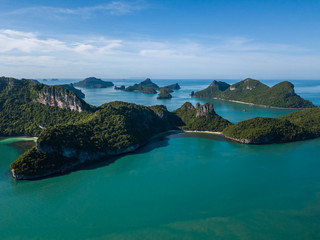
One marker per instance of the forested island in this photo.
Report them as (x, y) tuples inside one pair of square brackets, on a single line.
[(147, 86), (281, 95), (71, 132), (92, 82)]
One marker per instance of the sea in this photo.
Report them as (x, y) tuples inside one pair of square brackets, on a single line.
[(179, 186)]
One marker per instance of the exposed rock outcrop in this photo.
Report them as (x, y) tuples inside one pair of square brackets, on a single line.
[(62, 98), (205, 109)]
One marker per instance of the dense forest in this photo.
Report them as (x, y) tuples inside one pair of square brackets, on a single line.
[(300, 125), (252, 91)]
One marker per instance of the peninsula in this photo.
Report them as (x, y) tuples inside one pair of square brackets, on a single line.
[(281, 95)]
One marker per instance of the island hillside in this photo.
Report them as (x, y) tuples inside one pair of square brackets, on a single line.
[(164, 94), (93, 82), (70, 87), (114, 128), (147, 86), (27, 107), (296, 126), (252, 91)]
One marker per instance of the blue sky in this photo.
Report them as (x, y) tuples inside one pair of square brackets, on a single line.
[(160, 39)]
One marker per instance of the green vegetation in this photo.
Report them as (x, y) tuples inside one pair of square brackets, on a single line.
[(147, 86), (252, 91), (164, 94), (29, 91), (25, 110), (37, 163), (68, 138), (70, 87), (19, 118), (201, 118), (304, 124), (172, 87), (112, 129), (93, 82)]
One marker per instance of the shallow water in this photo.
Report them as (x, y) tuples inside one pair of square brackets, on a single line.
[(182, 186)]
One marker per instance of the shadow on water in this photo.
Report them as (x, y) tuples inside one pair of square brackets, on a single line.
[(158, 142), (23, 146)]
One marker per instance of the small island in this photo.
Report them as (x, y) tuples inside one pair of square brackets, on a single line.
[(164, 94), (93, 82), (251, 91), (122, 87), (147, 86)]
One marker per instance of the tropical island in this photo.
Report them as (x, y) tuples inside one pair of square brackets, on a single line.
[(71, 132), (147, 86), (92, 82), (251, 91), (164, 94)]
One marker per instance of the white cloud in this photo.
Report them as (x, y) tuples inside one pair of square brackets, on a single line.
[(113, 8), (26, 54)]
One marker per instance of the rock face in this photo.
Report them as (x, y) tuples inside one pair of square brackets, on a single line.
[(26, 90), (201, 118), (62, 98), (93, 82), (205, 109)]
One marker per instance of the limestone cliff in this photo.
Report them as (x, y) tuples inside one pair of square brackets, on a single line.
[(60, 97), (30, 91)]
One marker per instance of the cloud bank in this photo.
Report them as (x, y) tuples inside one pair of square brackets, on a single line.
[(27, 54)]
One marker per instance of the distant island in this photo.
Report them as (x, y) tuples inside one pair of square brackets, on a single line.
[(70, 87), (122, 87), (164, 94), (93, 82), (147, 86), (252, 91), (71, 132)]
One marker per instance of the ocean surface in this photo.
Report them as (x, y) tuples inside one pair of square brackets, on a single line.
[(180, 186)]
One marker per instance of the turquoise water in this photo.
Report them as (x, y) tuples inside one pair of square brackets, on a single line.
[(182, 186), (234, 112)]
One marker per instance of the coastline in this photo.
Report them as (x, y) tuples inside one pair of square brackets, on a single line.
[(252, 104), (17, 139)]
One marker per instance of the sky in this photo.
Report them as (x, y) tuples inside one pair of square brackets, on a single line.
[(174, 39)]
